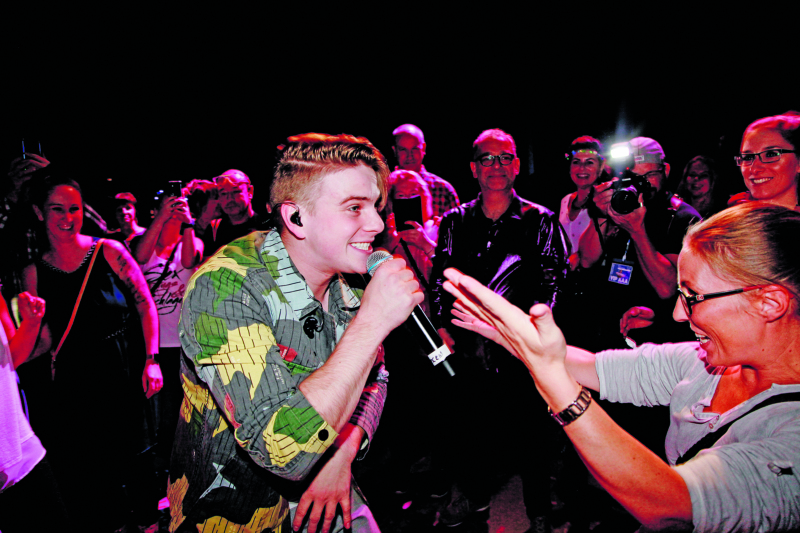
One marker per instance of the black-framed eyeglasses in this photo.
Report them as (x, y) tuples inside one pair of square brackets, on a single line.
[(767, 156), (689, 300), (488, 159)]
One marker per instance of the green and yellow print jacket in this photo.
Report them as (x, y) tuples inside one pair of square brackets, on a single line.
[(247, 438)]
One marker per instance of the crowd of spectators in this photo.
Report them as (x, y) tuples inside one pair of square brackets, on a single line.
[(90, 320)]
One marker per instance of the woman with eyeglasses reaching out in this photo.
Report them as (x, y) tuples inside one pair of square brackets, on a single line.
[(730, 467)]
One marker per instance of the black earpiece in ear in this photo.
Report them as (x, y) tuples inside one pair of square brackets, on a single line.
[(295, 218)]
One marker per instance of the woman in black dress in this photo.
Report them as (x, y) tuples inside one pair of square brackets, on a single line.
[(85, 402)]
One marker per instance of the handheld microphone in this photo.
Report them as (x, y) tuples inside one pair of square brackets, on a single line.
[(433, 345)]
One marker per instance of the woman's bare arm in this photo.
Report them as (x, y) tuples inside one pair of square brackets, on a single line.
[(646, 486), (22, 341), (125, 267), (44, 342)]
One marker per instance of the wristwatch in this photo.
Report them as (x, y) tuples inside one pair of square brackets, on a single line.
[(573, 410)]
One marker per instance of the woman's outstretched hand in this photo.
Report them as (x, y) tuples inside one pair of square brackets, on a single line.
[(465, 320), (535, 339)]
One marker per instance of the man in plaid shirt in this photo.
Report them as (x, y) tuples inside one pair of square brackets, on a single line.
[(409, 148)]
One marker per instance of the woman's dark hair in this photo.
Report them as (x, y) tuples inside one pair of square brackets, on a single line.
[(712, 170), (586, 142), (36, 191), (42, 183), (787, 124)]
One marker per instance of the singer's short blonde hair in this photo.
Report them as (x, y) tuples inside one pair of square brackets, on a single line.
[(307, 158)]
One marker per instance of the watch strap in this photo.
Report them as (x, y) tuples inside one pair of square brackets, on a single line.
[(573, 410)]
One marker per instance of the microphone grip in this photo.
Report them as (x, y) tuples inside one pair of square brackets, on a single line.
[(433, 345)]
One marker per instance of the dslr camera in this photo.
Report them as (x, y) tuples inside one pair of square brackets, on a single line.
[(627, 190), (629, 185)]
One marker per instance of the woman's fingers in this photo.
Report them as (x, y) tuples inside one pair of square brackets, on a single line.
[(482, 302), (535, 333)]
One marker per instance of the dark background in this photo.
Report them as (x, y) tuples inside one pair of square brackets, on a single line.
[(130, 109)]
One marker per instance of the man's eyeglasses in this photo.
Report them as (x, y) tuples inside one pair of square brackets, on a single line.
[(488, 160), (688, 299), (652, 175), (767, 156)]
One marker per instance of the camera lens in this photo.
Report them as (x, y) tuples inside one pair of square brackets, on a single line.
[(625, 201)]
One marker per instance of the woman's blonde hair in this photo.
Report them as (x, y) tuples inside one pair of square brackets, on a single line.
[(755, 243)]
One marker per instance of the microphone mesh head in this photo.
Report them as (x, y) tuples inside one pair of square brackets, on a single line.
[(376, 258)]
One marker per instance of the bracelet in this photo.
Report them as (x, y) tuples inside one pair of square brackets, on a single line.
[(186, 225), (573, 410)]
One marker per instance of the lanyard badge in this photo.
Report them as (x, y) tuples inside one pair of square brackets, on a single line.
[(621, 269)]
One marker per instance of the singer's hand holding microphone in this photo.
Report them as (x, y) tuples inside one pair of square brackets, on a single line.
[(390, 296), (415, 319)]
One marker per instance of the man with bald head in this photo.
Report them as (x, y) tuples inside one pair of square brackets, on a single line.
[(409, 148), (229, 212)]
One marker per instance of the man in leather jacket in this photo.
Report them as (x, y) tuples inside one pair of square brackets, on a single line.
[(517, 248)]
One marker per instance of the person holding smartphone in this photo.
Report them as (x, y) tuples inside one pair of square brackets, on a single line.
[(411, 228), (168, 253), (17, 238)]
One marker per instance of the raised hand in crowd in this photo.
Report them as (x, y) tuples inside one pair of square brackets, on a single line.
[(23, 339), (23, 166), (636, 318)]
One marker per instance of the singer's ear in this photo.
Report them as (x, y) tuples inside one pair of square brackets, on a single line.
[(287, 211)]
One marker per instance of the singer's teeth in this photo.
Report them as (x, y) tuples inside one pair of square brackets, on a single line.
[(360, 245)]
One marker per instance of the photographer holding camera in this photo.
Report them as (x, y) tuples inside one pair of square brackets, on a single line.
[(632, 245)]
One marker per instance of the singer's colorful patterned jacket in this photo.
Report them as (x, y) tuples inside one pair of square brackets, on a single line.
[(251, 332)]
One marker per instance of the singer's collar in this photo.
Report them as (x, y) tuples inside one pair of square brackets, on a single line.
[(343, 301)]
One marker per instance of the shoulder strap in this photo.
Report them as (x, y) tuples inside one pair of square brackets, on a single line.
[(75, 309), (709, 440), (164, 273)]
